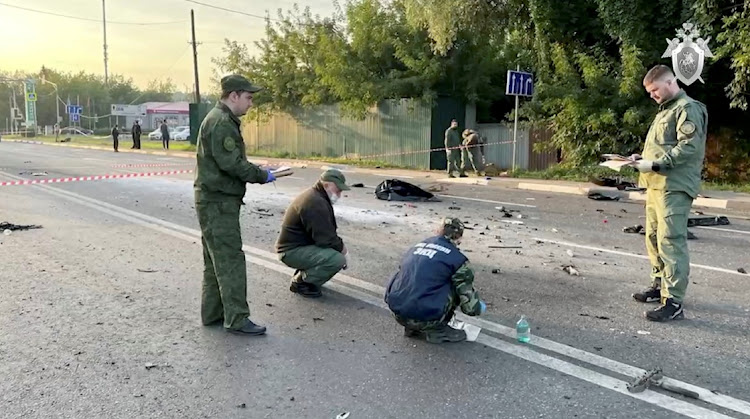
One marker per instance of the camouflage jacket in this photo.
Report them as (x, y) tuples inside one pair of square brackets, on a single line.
[(222, 169), (676, 142), (463, 284), (452, 137)]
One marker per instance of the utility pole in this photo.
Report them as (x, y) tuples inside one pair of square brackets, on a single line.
[(104, 20), (195, 58)]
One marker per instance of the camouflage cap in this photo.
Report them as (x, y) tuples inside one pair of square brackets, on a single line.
[(335, 176), (237, 83), (453, 227)]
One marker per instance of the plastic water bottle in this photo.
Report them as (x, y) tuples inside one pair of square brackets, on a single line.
[(523, 331)]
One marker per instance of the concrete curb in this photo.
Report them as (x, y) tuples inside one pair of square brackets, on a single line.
[(631, 196), (573, 189)]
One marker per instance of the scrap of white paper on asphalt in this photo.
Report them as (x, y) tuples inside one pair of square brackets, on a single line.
[(472, 332)]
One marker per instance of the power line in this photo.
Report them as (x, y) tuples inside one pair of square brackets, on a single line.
[(230, 10), (182, 54), (89, 19)]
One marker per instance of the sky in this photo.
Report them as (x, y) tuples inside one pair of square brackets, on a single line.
[(141, 52)]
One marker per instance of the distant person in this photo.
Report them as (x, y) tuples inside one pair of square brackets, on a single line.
[(472, 154), (164, 135), (136, 131), (453, 149), (115, 137), (57, 132)]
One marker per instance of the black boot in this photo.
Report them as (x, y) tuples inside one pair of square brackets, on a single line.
[(445, 334), (305, 289), (650, 295), (671, 310), (412, 333), (249, 329)]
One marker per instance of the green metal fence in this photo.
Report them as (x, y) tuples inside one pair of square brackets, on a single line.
[(395, 131)]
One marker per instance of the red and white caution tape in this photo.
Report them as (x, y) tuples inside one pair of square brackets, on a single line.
[(87, 178), (430, 150), (151, 165)]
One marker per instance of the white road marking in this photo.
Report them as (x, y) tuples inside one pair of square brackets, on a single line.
[(728, 230), (488, 201), (337, 284), (635, 255)]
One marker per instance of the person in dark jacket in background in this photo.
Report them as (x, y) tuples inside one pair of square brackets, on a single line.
[(115, 138), (434, 279), (136, 132), (164, 135)]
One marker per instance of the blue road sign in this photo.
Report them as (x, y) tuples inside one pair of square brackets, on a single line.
[(73, 109), (75, 117), (519, 83)]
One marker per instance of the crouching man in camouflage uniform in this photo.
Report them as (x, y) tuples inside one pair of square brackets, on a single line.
[(433, 280)]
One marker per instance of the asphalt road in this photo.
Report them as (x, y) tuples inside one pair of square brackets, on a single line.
[(101, 305)]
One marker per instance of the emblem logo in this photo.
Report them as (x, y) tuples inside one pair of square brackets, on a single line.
[(688, 55)]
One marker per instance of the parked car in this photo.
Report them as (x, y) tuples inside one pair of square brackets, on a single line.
[(76, 131), (156, 134), (181, 133)]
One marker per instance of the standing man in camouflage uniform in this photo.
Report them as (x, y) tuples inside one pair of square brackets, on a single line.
[(472, 153), (671, 173), (453, 151), (433, 280), (221, 173)]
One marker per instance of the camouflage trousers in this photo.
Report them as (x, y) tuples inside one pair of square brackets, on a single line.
[(224, 294), (454, 161), (425, 326), (667, 215), (471, 158), (315, 265)]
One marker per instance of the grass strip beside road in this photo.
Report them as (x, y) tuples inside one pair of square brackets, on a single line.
[(146, 144)]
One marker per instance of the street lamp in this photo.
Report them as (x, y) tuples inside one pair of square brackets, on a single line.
[(57, 96)]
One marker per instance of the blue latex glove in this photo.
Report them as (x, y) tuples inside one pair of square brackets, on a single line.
[(271, 177), (482, 307)]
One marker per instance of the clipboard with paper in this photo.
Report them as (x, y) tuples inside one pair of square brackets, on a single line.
[(281, 171), (615, 161)]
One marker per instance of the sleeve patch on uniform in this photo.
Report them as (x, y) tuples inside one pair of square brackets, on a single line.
[(687, 128), (229, 144)]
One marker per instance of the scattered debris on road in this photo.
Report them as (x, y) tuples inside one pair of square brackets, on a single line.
[(242, 406), (147, 271), (514, 222), (598, 196), (571, 270), (504, 247), (636, 229), (596, 317), (454, 208), (262, 211), (358, 185), (496, 271), (707, 221), (643, 332), (318, 319), (570, 253), (16, 227), (344, 415), (742, 271), (398, 190)]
